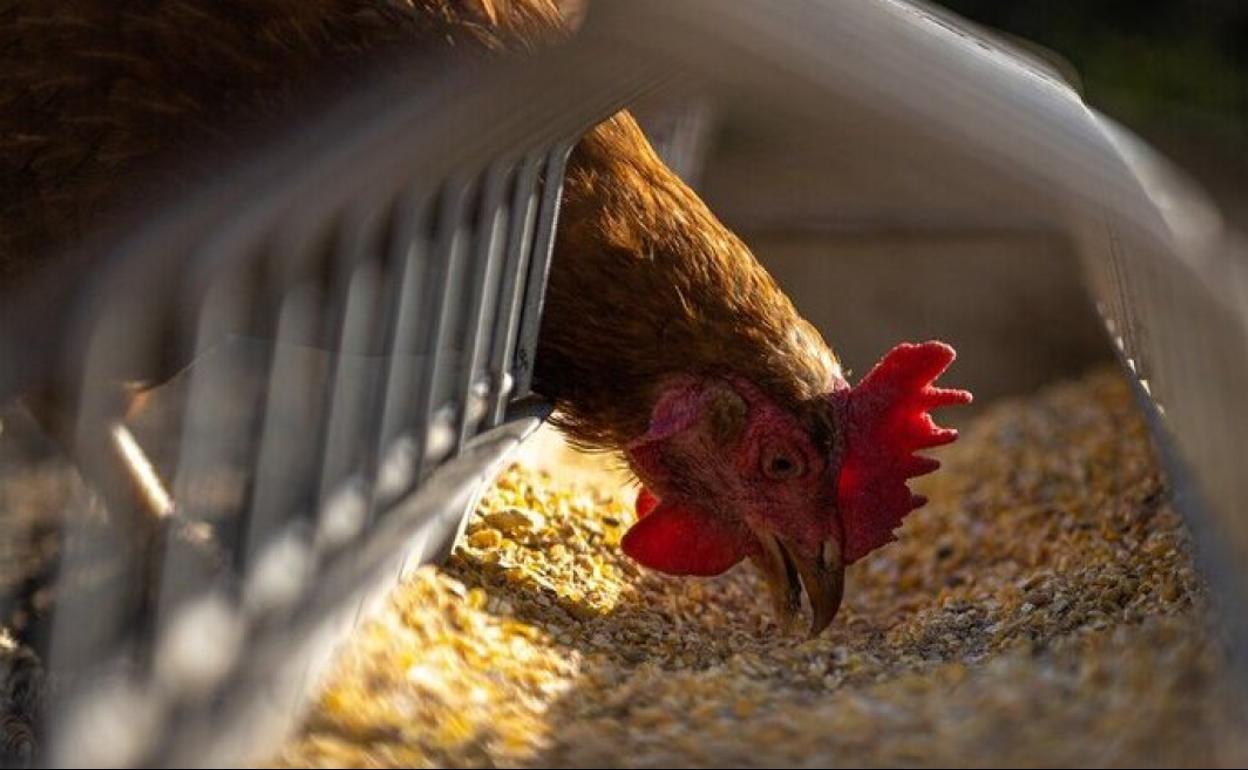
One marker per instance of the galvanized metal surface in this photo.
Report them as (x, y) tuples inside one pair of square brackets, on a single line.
[(360, 360)]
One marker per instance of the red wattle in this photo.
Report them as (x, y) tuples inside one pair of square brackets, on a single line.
[(685, 540)]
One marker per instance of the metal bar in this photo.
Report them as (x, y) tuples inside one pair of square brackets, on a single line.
[(482, 300), (288, 473), (261, 312), (539, 269), (356, 291), (520, 226), (407, 266), (432, 398)]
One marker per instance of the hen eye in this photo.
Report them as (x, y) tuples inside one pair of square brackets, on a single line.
[(782, 465)]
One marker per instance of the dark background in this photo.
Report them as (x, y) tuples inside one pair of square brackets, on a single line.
[(1175, 71)]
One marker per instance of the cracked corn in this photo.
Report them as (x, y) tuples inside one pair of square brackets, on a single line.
[(1041, 609)]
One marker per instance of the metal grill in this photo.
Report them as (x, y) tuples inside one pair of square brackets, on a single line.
[(355, 374), (336, 364), (341, 329)]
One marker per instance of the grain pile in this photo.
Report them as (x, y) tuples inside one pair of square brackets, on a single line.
[(1042, 609)]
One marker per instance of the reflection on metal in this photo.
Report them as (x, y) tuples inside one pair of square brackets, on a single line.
[(140, 467), (352, 363)]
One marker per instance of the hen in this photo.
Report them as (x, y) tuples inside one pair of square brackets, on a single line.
[(682, 354)]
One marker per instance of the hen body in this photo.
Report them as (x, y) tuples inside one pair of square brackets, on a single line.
[(101, 97), (662, 337)]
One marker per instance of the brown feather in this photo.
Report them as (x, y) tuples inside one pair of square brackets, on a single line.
[(645, 283), (97, 94)]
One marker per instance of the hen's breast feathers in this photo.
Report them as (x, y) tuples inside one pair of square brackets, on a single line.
[(647, 283)]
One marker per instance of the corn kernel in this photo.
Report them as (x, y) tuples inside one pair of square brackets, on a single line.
[(539, 644)]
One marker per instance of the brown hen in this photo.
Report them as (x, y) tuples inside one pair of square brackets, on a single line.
[(662, 339)]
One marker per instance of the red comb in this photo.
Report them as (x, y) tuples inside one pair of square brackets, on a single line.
[(886, 422)]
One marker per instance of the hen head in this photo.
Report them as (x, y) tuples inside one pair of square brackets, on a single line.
[(730, 474)]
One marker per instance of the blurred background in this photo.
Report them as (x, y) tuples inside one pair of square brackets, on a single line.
[(934, 250), (1175, 71)]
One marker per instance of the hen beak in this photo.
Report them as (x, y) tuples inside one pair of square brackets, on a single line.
[(787, 572)]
